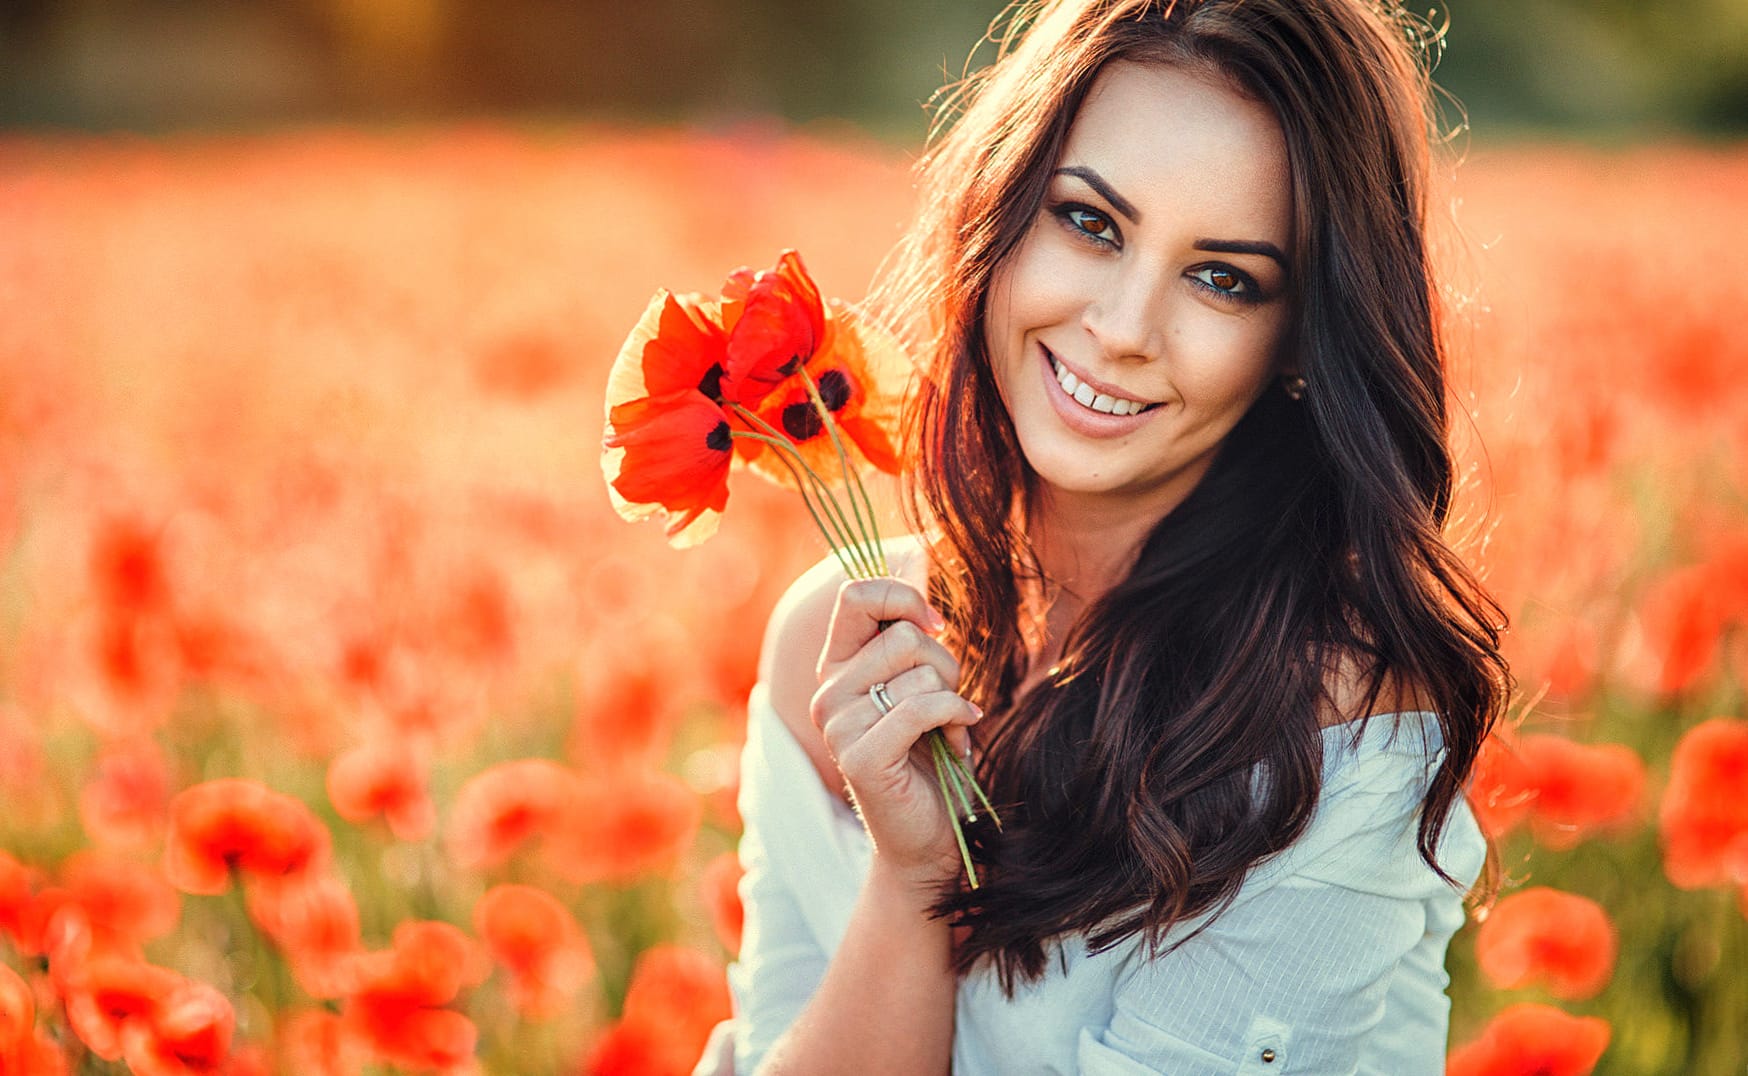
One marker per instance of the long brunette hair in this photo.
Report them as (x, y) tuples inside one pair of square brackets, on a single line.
[(1313, 542)]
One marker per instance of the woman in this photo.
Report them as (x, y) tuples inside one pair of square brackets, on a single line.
[(1180, 452)]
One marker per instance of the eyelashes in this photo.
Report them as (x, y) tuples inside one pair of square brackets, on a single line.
[(1220, 280)]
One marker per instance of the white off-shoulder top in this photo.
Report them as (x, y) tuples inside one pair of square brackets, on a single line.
[(1331, 960)]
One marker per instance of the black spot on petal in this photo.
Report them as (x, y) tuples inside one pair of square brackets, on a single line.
[(834, 389), (711, 383), (801, 422), (718, 439)]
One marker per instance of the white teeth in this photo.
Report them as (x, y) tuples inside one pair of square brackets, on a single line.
[(1097, 401)]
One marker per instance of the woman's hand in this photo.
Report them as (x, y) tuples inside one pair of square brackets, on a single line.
[(889, 770)]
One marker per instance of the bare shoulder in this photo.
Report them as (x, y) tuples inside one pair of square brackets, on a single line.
[(789, 661)]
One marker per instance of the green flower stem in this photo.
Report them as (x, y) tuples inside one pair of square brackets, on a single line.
[(773, 437), (837, 550), (943, 755), (966, 811), (852, 480)]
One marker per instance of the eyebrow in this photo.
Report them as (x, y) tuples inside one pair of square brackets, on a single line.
[(1097, 183), (1127, 208), (1244, 246)]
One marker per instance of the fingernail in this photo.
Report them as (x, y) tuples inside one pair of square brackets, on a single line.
[(936, 620), (976, 710)]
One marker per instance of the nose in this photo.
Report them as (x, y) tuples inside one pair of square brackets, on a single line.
[(1127, 314)]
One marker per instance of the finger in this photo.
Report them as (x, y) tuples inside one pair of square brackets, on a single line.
[(864, 606), (901, 655), (889, 740)]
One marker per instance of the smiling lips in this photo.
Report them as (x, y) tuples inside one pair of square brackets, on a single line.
[(1091, 398)]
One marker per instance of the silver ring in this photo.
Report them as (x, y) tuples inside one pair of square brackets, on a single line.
[(882, 701)]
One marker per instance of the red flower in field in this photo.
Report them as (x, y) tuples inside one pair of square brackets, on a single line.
[(315, 922), (670, 453), (676, 997), (128, 569), (636, 824), (387, 779), (1500, 787), (1704, 817), (1543, 935), (320, 1044), (399, 1008), (17, 883), (628, 704), (501, 807), (105, 993), (234, 823), (1580, 788), (537, 940), (1533, 1040), (124, 902), (720, 887), (127, 801), (24, 1050), (1682, 619), (188, 1034)]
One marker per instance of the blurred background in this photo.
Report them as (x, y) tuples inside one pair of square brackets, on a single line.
[(307, 312), (1600, 68)]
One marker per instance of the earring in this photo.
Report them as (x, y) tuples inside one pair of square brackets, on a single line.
[(1294, 386)]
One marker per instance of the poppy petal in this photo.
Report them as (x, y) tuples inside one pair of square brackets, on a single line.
[(669, 454), (781, 326), (676, 344)]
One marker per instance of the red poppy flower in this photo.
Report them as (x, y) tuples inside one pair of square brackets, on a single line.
[(126, 801), (1704, 816), (1580, 788), (626, 827), (859, 372), (399, 1008), (670, 454), (629, 701), (1533, 1040), (501, 807), (188, 1034), (17, 883), (235, 823), (319, 1043), (537, 940), (719, 886), (676, 997), (1500, 786), (677, 344), (381, 778), (125, 902), (775, 323), (105, 993), (315, 922), (23, 1048), (1544, 935), (1683, 619)]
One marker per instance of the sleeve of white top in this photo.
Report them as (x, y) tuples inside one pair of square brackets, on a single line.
[(1294, 975), (803, 868)]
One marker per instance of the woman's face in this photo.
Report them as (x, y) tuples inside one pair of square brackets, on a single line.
[(1140, 317)]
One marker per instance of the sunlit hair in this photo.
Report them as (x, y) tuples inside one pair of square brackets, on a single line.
[(1314, 540)]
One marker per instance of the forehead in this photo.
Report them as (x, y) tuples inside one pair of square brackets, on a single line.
[(1172, 139)]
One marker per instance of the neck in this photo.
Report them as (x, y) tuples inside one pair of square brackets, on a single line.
[(1085, 546)]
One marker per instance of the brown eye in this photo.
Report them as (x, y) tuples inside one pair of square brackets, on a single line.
[(1223, 280), (1089, 222)]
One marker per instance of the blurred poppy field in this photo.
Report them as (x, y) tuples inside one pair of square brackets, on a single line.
[(345, 729)]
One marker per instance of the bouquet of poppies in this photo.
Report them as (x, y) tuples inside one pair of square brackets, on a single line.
[(770, 377)]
